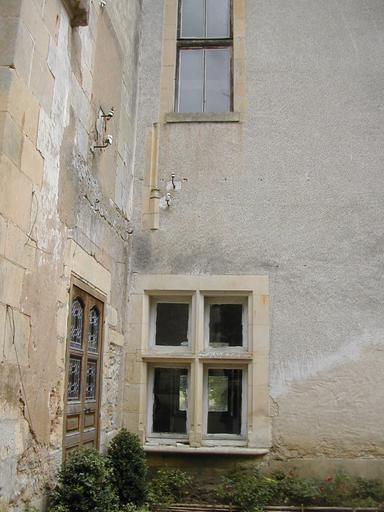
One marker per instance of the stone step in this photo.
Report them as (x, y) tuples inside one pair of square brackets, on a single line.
[(202, 507)]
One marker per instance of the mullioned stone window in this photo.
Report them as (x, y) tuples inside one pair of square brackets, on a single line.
[(198, 359)]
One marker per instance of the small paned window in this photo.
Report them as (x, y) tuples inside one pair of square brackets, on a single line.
[(204, 56), (170, 400), (226, 325), (224, 397), (172, 324), (93, 331), (77, 314), (90, 392), (74, 372)]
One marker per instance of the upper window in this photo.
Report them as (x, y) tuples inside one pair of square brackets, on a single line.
[(170, 323), (226, 322), (204, 56)]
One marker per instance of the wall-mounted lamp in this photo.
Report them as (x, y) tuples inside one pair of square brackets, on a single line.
[(109, 115), (171, 186), (107, 142)]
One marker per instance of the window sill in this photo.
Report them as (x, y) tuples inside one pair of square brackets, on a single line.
[(167, 356), (225, 356), (205, 450), (202, 117)]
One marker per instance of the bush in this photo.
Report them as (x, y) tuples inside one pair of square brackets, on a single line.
[(84, 485), (293, 490), (251, 490), (168, 486), (337, 490), (248, 489), (130, 507), (129, 470), (369, 491)]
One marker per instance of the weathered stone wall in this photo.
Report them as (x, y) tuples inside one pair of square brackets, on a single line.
[(293, 191), (64, 210)]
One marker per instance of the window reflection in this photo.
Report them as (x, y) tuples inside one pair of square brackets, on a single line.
[(226, 325), (224, 401), (172, 324), (170, 400)]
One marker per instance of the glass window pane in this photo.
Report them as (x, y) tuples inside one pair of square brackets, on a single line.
[(76, 335), (170, 400), (183, 393), (224, 401), (90, 390), (191, 77), (93, 330), (218, 393), (218, 18), (192, 18), (226, 325), (74, 373), (218, 91), (172, 324)]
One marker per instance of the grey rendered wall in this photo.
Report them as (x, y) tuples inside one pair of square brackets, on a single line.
[(293, 191)]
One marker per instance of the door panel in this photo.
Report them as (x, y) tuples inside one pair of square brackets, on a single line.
[(81, 425)]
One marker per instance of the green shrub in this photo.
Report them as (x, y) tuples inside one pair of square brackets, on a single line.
[(293, 490), (369, 491), (248, 489), (130, 507), (337, 490), (129, 470), (168, 486), (84, 485)]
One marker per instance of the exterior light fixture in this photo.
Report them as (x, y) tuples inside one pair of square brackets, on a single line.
[(107, 142)]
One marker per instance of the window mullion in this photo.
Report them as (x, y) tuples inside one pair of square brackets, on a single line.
[(204, 80), (205, 19)]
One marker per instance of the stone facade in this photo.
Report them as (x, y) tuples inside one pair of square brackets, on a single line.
[(287, 188), (64, 211)]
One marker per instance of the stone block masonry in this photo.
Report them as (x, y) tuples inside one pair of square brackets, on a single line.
[(57, 210)]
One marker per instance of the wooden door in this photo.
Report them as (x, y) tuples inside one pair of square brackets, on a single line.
[(83, 368)]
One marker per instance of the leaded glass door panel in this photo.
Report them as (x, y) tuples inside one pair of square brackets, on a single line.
[(81, 422)]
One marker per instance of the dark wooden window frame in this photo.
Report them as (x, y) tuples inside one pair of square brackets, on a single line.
[(202, 43)]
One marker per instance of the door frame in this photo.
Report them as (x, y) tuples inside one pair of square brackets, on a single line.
[(76, 281)]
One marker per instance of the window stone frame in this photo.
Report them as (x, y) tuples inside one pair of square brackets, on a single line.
[(169, 66), (141, 356)]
